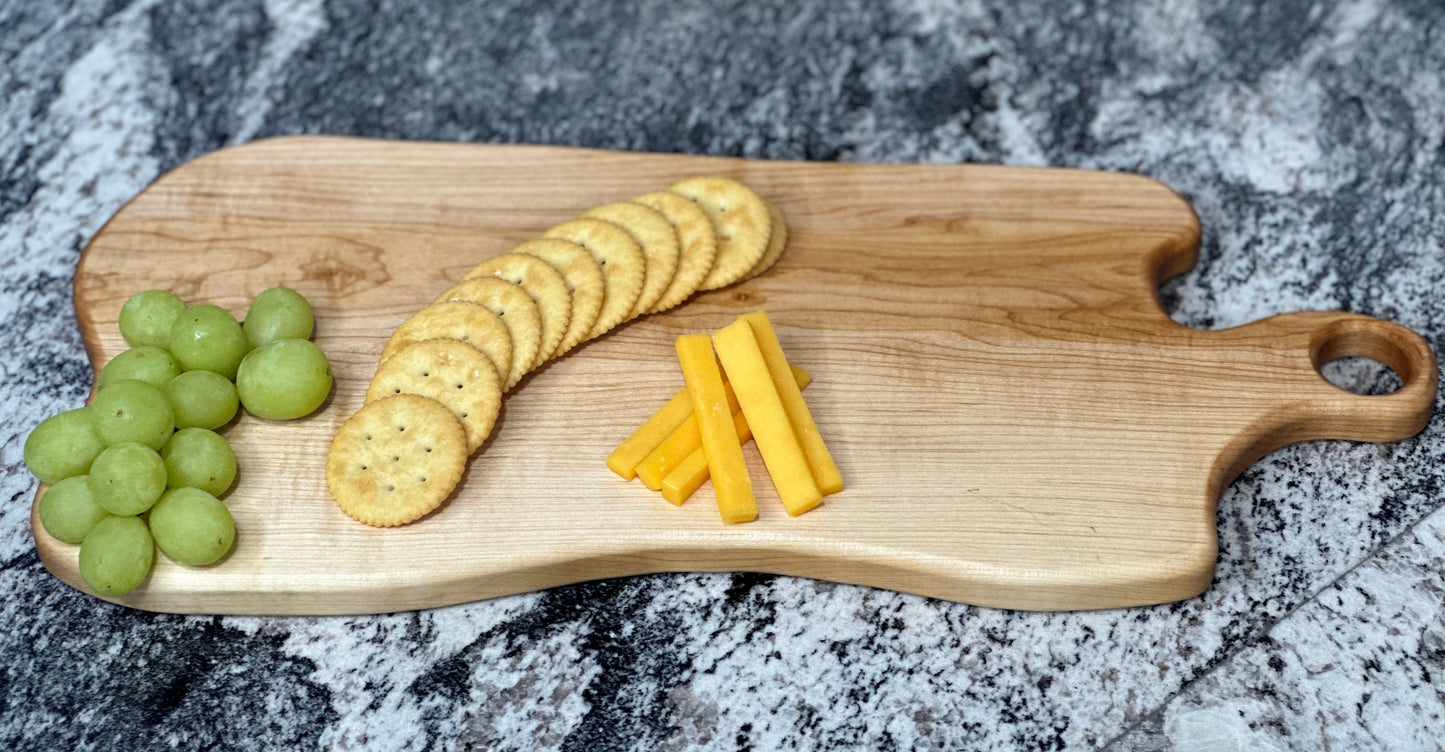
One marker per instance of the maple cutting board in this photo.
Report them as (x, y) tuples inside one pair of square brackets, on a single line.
[(1017, 421)]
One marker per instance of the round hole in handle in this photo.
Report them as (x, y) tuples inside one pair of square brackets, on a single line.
[(1363, 376), (1364, 356)]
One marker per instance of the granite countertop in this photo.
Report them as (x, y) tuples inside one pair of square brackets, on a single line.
[(1310, 137)]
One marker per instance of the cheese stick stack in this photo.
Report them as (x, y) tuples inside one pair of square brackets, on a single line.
[(754, 393)]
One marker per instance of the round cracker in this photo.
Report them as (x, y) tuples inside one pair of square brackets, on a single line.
[(777, 241), (740, 219), (584, 280), (518, 311), (546, 286), (395, 460), (623, 266), (697, 244), (461, 320), (450, 372), (654, 233)]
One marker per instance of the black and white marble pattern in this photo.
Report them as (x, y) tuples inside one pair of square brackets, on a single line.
[(1309, 136)]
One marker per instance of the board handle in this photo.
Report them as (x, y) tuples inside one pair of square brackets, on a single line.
[(1386, 417), (1299, 404)]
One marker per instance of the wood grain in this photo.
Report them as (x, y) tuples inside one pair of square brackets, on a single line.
[(1018, 423)]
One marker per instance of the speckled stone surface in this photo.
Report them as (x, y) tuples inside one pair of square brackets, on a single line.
[(1309, 136)]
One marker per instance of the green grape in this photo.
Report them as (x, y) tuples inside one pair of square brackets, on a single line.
[(68, 510), (197, 458), (62, 446), (278, 313), (284, 379), (143, 363), (146, 318), (207, 338), (132, 411), (202, 399), (116, 555), (192, 526), (127, 478)]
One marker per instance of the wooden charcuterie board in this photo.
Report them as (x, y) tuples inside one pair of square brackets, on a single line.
[(1018, 423)]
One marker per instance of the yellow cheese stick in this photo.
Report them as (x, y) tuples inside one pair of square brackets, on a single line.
[(677, 446), (820, 462), (737, 348), (725, 463), (691, 473), (625, 458)]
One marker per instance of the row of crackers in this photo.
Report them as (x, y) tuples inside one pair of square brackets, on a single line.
[(439, 385)]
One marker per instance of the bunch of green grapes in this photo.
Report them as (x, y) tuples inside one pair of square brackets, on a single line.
[(142, 466)]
